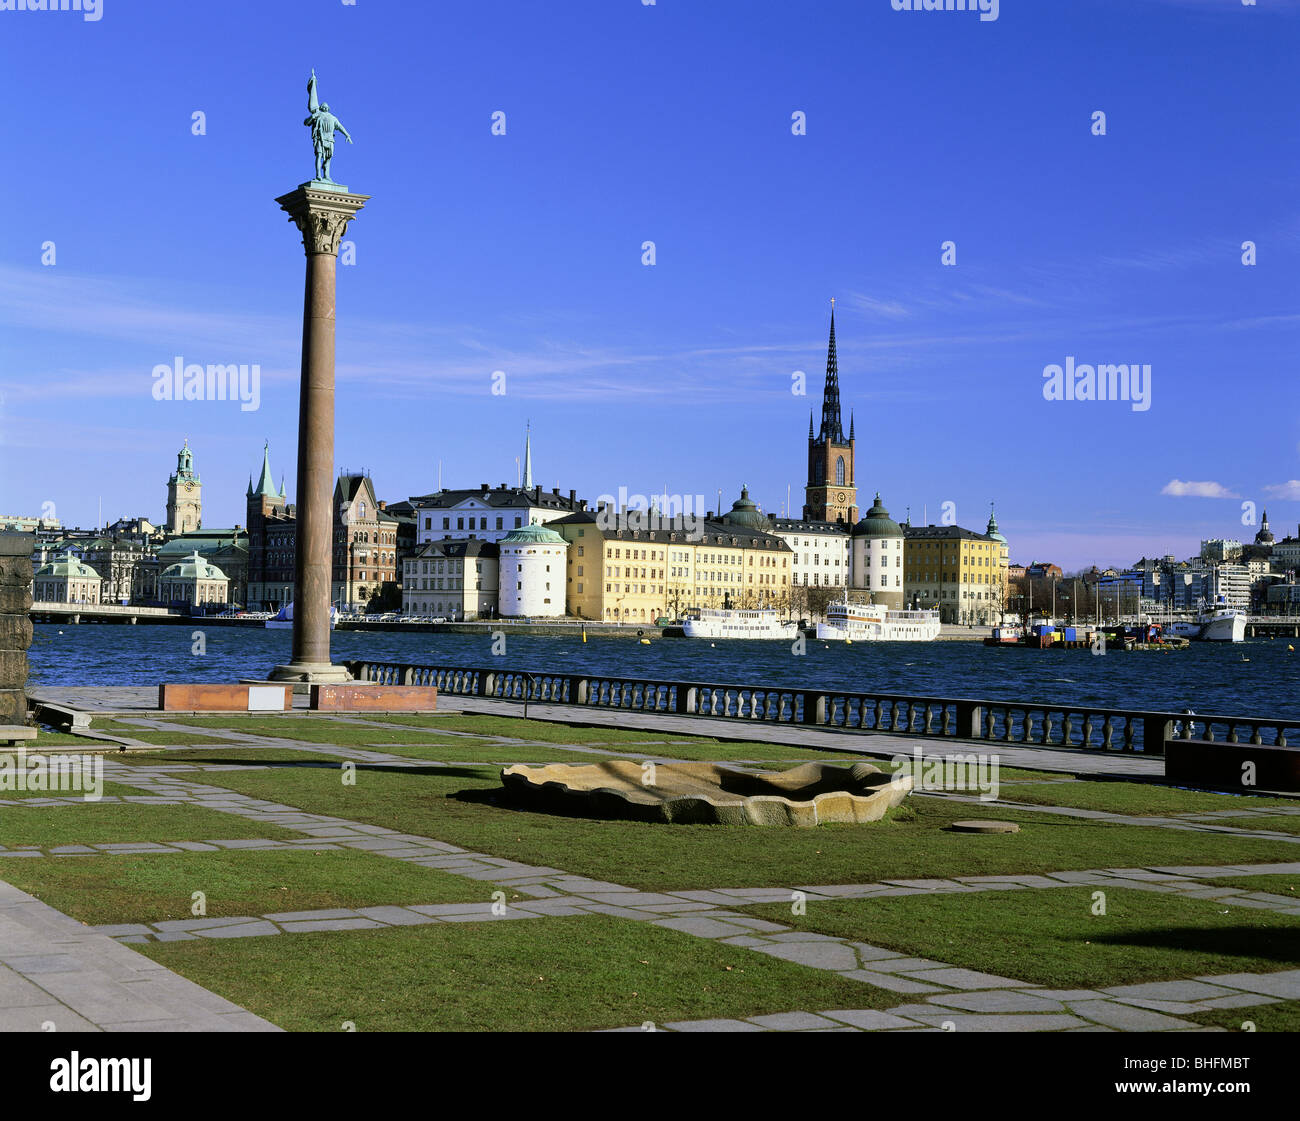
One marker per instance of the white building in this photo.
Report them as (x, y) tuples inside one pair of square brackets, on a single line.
[(453, 579), (195, 582), (487, 513), (66, 580), (532, 572), (877, 556), (821, 554)]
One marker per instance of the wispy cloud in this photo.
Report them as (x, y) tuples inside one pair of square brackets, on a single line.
[(1288, 490), (1180, 489)]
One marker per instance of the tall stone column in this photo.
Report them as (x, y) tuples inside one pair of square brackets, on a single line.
[(15, 625), (322, 213)]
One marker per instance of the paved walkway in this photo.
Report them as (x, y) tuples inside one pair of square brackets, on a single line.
[(58, 975)]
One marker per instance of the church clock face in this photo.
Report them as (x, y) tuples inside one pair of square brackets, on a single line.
[(839, 497)]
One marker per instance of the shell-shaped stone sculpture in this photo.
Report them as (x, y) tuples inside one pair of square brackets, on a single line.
[(709, 794)]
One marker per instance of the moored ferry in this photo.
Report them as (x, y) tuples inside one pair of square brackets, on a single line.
[(873, 622), (760, 623)]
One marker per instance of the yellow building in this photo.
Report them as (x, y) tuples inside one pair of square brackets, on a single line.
[(959, 573), (637, 568)]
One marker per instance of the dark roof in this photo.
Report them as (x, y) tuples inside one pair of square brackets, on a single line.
[(674, 530), (495, 496), (458, 547), (798, 525), (943, 533)]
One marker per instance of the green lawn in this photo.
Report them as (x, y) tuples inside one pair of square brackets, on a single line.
[(96, 823), (252, 756), (1131, 798), (554, 974), (1276, 823), (308, 729), (109, 789), (1283, 1016), (1277, 884), (1051, 937), (155, 887), (467, 806), (149, 735)]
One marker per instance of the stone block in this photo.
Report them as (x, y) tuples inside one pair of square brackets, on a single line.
[(15, 632), (374, 698), (14, 600), (175, 697)]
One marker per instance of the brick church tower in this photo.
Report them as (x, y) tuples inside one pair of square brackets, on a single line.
[(831, 494)]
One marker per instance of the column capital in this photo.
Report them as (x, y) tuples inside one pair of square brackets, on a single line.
[(322, 214)]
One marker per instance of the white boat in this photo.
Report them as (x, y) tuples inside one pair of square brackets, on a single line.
[(1222, 624), (283, 620), (761, 623), (874, 622), (1219, 623)]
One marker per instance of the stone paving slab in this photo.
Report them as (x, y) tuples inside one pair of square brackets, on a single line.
[(1285, 984), (997, 1000), (1123, 1016), (793, 1021)]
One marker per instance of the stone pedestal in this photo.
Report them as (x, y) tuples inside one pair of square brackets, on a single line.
[(15, 625), (322, 214)]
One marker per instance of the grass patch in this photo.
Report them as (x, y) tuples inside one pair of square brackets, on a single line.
[(554, 974), (1281, 884), (94, 823), (158, 886), (114, 789), (1140, 798), (1283, 1016), (1275, 823), (251, 756), (467, 806), (1051, 937), (309, 729), (148, 735)]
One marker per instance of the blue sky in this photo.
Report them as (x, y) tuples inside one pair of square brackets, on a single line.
[(671, 123)]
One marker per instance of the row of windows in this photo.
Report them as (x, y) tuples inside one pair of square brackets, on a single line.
[(482, 523)]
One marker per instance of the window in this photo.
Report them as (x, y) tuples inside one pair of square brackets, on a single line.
[(839, 471)]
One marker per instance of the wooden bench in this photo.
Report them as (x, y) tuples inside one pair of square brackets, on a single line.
[(365, 697), (225, 698), (1229, 766)]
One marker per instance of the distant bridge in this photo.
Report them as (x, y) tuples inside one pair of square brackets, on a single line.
[(103, 613)]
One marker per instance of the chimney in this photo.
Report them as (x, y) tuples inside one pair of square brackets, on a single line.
[(573, 495), (484, 486), (383, 505), (555, 491), (537, 495)]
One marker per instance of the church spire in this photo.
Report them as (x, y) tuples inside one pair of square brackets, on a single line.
[(832, 430), (265, 485), (528, 457)]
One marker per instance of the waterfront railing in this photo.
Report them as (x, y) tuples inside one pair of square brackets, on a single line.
[(1009, 722)]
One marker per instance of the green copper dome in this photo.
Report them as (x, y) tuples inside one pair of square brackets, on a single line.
[(533, 535), (992, 530), (877, 522), (68, 567), (746, 513), (193, 567)]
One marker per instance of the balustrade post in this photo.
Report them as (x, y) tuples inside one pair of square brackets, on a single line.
[(970, 720)]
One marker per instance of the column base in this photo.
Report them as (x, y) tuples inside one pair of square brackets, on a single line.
[(310, 673)]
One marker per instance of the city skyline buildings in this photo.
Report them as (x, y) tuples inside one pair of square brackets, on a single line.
[(678, 375)]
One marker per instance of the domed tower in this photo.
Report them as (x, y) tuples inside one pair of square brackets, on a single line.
[(532, 572), (992, 531), (1265, 535), (878, 556), (184, 495), (744, 512)]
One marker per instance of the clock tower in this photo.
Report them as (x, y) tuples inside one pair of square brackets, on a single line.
[(831, 494), (184, 495)]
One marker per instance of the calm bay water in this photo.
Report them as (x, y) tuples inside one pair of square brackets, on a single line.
[(1208, 677)]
